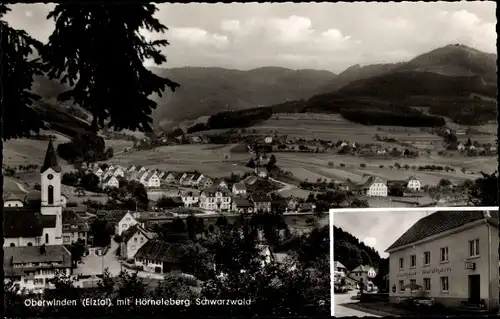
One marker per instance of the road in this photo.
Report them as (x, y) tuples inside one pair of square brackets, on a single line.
[(286, 186), (341, 311)]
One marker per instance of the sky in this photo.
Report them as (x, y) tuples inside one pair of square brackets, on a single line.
[(378, 229), (328, 36)]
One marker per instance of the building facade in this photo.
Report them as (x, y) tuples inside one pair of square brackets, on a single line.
[(453, 256)]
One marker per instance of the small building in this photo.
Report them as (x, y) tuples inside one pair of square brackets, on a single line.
[(110, 182), (189, 198), (359, 274), (461, 147), (413, 183), (133, 239), (261, 203), (12, 200), (196, 179), (250, 180), (451, 255), (293, 203), (205, 182), (239, 189), (159, 256), (128, 220), (218, 199), (220, 183), (150, 179), (373, 187), (33, 267), (185, 179), (242, 205), (338, 266)]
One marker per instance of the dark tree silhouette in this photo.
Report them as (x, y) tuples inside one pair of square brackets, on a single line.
[(484, 191), (18, 69), (98, 50)]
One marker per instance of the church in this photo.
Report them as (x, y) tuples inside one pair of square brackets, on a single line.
[(33, 242), (39, 220)]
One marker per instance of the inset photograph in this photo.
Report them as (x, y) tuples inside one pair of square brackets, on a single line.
[(440, 261)]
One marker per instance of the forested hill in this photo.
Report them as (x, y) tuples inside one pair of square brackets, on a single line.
[(351, 252)]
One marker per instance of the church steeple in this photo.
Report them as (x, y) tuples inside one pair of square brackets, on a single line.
[(50, 159)]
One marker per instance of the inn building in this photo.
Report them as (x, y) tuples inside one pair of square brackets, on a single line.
[(449, 256)]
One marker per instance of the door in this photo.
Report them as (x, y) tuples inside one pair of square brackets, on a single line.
[(474, 288)]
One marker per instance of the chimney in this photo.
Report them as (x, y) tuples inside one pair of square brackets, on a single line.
[(43, 250)]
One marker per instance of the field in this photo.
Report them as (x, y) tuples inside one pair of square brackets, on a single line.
[(212, 160)]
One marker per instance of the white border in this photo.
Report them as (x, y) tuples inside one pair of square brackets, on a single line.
[(394, 209)]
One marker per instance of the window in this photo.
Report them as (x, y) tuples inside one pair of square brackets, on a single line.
[(474, 248), (30, 244), (413, 282), (401, 263), (132, 247), (12, 245), (46, 238), (427, 284), (427, 257), (413, 261), (39, 281), (142, 240), (135, 239), (444, 254), (444, 284), (50, 194), (401, 285)]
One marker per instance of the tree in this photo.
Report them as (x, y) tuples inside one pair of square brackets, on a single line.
[(107, 78), (484, 191), (18, 70), (100, 232), (90, 181), (77, 249), (272, 162), (178, 225), (191, 226), (251, 163), (444, 183), (221, 221)]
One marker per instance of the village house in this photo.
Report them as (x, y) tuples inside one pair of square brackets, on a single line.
[(116, 172), (262, 203), (220, 183), (168, 177), (359, 274), (159, 256), (293, 203), (133, 176), (131, 168), (239, 189), (337, 266), (452, 256), (74, 227), (128, 220), (261, 172), (373, 187), (196, 179), (342, 187), (110, 182), (185, 179), (98, 172), (189, 198), (205, 182), (218, 199), (11, 200), (133, 239), (461, 147), (413, 183), (150, 179), (33, 267), (242, 205)]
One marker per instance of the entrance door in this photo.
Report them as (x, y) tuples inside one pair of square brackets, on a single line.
[(474, 288)]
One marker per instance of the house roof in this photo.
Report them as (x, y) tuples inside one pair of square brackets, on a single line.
[(132, 230), (260, 198), (50, 160), (161, 251), (412, 178), (189, 193), (196, 176), (150, 174), (188, 177), (396, 182), (242, 202), (210, 191), (71, 218), (261, 170), (439, 222), (107, 179), (362, 268), (8, 196), (338, 264), (32, 254), (369, 181), (33, 199), (239, 187), (250, 180), (218, 181), (31, 224)]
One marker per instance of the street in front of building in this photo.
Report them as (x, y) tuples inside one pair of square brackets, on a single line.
[(343, 305)]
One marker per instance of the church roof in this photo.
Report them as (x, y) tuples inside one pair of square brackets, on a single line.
[(50, 159), (25, 222)]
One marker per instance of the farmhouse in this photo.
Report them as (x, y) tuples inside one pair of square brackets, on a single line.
[(413, 183), (189, 198), (159, 256), (213, 198), (241, 205), (41, 221), (128, 220), (261, 202), (11, 200), (239, 189), (133, 239), (373, 186), (221, 183), (337, 266), (451, 255), (359, 274), (33, 267), (110, 182)]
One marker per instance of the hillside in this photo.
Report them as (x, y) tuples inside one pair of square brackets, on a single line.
[(206, 91)]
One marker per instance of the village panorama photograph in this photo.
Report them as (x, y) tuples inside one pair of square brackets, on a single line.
[(182, 159), (436, 262)]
